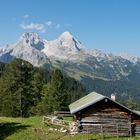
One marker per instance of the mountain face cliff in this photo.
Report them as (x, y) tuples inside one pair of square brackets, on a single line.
[(28, 47), (104, 73)]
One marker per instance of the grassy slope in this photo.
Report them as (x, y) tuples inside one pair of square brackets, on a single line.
[(33, 129), (20, 129)]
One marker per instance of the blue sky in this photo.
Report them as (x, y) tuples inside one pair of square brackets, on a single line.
[(112, 26)]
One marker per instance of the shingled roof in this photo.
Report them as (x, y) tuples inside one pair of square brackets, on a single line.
[(91, 99)]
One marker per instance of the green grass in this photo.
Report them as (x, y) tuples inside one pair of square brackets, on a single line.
[(69, 118), (26, 129), (20, 128), (33, 129)]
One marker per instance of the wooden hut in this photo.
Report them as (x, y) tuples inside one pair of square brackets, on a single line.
[(96, 113)]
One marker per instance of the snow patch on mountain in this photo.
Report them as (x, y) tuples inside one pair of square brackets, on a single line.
[(27, 47), (31, 39), (37, 51), (63, 47), (129, 57)]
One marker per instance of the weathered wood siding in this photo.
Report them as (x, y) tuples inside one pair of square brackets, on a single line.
[(108, 117), (136, 120)]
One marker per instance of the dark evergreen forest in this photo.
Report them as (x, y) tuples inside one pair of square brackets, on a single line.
[(26, 90)]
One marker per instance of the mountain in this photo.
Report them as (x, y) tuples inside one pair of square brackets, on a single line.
[(130, 58), (63, 47), (104, 73), (28, 47)]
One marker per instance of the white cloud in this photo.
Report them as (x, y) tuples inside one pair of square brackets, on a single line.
[(52, 24), (41, 27), (33, 26), (49, 23), (57, 26), (26, 16)]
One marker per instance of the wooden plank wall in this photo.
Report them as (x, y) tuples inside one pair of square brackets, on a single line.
[(136, 120), (106, 117)]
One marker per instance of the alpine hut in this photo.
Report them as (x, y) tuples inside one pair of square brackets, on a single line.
[(96, 113)]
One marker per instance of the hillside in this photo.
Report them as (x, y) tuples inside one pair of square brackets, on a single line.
[(26, 90), (104, 73), (105, 77), (2, 66)]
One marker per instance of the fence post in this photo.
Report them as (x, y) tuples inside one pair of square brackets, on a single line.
[(130, 130), (43, 120), (87, 133), (117, 126), (102, 134)]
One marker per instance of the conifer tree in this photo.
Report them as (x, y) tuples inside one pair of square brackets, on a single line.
[(56, 95), (15, 89)]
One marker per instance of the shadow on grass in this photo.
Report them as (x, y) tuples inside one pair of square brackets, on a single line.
[(8, 129)]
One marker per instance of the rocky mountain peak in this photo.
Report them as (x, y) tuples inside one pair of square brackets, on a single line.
[(66, 36), (31, 39), (129, 57), (63, 47), (30, 36)]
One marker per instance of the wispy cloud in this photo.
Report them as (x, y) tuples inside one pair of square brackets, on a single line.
[(49, 23), (52, 24), (26, 16), (41, 27), (33, 26), (57, 26)]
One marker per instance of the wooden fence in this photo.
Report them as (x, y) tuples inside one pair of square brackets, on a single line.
[(63, 113)]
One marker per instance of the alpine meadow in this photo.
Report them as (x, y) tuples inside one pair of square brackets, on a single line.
[(70, 70)]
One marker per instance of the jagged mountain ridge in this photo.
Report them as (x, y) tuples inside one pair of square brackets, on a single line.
[(72, 57), (72, 54), (28, 47), (63, 47)]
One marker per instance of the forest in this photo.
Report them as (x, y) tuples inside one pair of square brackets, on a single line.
[(26, 90)]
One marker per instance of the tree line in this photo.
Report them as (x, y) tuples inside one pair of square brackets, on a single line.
[(26, 90)]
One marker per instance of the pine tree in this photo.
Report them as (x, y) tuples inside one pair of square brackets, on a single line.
[(131, 104), (15, 91), (55, 93), (25, 90), (36, 93)]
